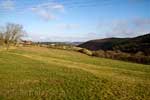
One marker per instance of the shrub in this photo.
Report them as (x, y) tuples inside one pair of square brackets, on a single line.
[(100, 53), (85, 51), (139, 57), (76, 48), (140, 53)]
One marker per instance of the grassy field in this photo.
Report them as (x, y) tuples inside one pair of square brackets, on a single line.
[(36, 73)]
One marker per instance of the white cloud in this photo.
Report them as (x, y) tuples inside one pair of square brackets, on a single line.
[(47, 10), (43, 13), (7, 5), (68, 26), (93, 35), (58, 6), (142, 22), (66, 38), (126, 28)]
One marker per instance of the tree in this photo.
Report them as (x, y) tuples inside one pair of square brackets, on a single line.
[(1, 37), (11, 34)]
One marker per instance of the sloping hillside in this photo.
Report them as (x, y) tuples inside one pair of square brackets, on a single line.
[(36, 73), (104, 44), (140, 43)]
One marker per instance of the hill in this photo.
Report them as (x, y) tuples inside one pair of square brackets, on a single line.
[(131, 45), (60, 43), (38, 73)]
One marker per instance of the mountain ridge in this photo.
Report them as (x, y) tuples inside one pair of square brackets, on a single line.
[(130, 45)]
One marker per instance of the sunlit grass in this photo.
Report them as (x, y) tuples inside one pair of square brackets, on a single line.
[(41, 73)]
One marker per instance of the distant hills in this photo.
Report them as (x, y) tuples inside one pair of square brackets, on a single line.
[(130, 45), (61, 43)]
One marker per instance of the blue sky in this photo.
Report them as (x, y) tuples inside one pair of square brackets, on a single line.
[(77, 20)]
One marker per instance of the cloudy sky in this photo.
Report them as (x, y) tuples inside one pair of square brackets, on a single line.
[(77, 20)]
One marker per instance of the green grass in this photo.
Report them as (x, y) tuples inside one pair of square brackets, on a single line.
[(34, 73)]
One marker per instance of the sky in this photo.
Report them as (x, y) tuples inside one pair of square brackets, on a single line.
[(77, 20)]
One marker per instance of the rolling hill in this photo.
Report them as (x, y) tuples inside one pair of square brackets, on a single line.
[(131, 45), (38, 73)]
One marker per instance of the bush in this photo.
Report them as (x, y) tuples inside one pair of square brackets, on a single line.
[(99, 53), (85, 51), (76, 48), (139, 57), (140, 53)]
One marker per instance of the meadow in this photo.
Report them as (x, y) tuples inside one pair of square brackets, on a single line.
[(38, 73)]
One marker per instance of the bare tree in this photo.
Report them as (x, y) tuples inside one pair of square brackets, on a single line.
[(1, 37), (11, 34)]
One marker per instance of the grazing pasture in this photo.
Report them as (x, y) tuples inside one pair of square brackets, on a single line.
[(38, 73)]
